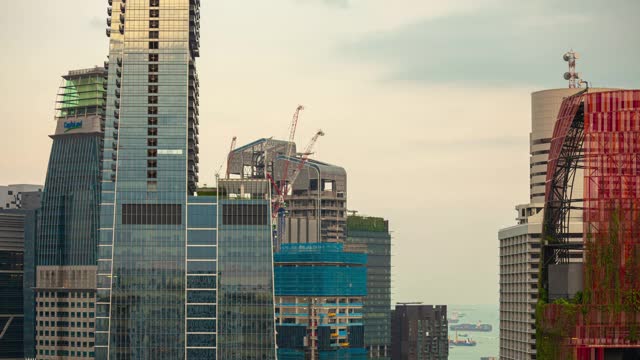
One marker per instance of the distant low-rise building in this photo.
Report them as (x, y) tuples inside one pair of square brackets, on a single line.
[(419, 332)]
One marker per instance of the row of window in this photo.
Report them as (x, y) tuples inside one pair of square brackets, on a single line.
[(65, 304), (78, 324), (66, 314)]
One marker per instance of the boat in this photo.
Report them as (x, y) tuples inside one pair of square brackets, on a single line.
[(472, 327), (464, 335), (462, 342), (454, 318)]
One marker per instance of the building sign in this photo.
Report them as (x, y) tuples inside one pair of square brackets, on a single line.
[(78, 125), (72, 125)]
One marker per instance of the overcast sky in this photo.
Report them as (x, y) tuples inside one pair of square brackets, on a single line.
[(426, 103)]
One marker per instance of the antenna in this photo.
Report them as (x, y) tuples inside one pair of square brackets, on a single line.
[(572, 76)]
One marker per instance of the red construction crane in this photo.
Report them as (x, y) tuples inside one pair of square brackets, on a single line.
[(292, 135), (305, 156), (230, 156)]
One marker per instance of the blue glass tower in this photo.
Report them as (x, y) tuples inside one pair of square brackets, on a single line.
[(67, 239), (149, 171)]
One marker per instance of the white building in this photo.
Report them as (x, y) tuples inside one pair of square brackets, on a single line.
[(520, 244), (11, 195)]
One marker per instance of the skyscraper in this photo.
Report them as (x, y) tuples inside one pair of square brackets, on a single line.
[(17, 240), (520, 244), (69, 219), (373, 234), (150, 169)]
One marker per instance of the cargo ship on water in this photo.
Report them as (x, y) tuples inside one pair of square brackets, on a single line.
[(462, 342), (471, 327)]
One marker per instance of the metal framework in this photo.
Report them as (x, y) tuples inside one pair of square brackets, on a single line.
[(566, 156)]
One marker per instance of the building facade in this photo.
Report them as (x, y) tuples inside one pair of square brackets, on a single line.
[(17, 238), (520, 244), (598, 318), (246, 327), (150, 169), (419, 332), (19, 196), (66, 250), (373, 234), (319, 302)]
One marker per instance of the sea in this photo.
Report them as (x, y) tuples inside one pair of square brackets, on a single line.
[(488, 343)]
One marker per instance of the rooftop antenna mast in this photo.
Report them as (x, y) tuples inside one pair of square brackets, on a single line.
[(572, 76)]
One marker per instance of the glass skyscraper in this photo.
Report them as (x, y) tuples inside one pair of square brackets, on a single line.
[(149, 172), (165, 288), (68, 228)]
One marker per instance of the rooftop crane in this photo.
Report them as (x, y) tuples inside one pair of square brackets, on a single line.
[(230, 156), (292, 135), (303, 159), (279, 207)]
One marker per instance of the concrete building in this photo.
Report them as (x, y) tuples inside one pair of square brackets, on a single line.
[(419, 332), (17, 241), (520, 244), (19, 196), (372, 233), (316, 202)]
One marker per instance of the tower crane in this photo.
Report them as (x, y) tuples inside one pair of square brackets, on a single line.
[(305, 156), (279, 209), (292, 135), (230, 156)]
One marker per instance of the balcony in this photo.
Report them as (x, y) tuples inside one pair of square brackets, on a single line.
[(108, 32)]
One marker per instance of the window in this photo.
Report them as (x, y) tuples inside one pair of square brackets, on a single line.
[(154, 2), (152, 174), (245, 214), (152, 142), (153, 67), (152, 214), (154, 24), (154, 34), (154, 45), (153, 89), (153, 78), (154, 13), (154, 57), (152, 131), (152, 153), (152, 163), (153, 99), (152, 120), (153, 110)]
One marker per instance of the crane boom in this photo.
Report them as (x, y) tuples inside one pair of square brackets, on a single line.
[(292, 135), (230, 156), (305, 157)]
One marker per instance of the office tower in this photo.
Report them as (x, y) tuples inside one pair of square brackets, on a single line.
[(373, 234), (592, 313), (520, 244), (150, 168), (245, 271), (69, 219), (419, 332), (19, 196), (319, 299), (17, 238)]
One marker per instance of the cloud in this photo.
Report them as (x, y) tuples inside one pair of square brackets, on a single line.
[(518, 43)]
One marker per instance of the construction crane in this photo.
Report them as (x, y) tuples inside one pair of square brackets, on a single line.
[(292, 135), (230, 156), (279, 207), (305, 156)]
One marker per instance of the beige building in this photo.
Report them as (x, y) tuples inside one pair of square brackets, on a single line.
[(520, 244)]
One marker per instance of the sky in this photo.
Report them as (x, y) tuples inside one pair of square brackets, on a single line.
[(425, 103)]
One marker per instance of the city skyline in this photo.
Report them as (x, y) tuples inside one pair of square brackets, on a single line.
[(376, 121)]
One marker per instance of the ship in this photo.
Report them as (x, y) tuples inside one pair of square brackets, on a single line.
[(455, 317), (462, 342), (472, 327)]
